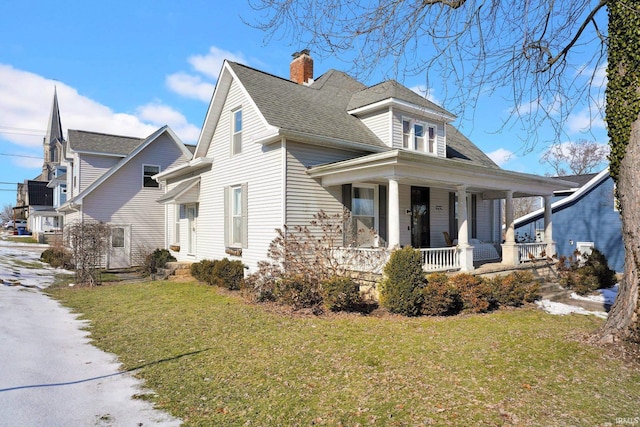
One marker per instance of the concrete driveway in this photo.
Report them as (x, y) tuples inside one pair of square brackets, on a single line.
[(50, 374)]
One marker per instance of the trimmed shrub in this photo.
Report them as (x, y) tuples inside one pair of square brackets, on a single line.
[(57, 257), (157, 259), (514, 289), (228, 274), (224, 273), (401, 288), (299, 292), (340, 294), (476, 294), (440, 298), (201, 271)]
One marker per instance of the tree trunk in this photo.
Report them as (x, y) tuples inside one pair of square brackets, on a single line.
[(623, 319)]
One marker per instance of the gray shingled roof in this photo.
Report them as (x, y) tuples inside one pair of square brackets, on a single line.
[(319, 109), (579, 179), (391, 89), (94, 142), (460, 148)]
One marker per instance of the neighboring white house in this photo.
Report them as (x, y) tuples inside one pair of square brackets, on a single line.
[(108, 179), (274, 151)]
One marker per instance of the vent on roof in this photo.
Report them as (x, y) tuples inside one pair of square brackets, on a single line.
[(301, 68)]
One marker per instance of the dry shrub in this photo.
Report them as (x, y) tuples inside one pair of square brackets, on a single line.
[(476, 294), (440, 297)]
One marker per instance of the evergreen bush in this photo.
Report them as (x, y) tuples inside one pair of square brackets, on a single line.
[(340, 294), (401, 288)]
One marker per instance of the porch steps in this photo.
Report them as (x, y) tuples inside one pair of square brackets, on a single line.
[(176, 271)]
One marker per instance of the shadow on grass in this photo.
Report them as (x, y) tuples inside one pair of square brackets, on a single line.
[(135, 368)]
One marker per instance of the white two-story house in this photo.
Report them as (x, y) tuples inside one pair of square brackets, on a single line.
[(275, 151), (108, 179)]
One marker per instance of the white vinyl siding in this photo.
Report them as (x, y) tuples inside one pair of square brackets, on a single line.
[(439, 205), (380, 125), (260, 167), (119, 201), (305, 196), (91, 167)]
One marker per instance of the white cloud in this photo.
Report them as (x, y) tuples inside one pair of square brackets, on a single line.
[(585, 120), (501, 156), (207, 66), (25, 102), (190, 86), (211, 63), (160, 115)]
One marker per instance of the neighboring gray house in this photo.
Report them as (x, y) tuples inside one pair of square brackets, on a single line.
[(583, 217), (274, 151), (108, 179)]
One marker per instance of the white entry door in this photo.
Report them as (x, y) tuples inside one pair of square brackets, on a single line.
[(120, 247), (192, 219)]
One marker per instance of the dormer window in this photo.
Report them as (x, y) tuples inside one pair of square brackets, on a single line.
[(418, 136)]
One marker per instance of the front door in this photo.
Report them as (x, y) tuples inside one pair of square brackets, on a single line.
[(420, 231), (192, 215), (119, 247)]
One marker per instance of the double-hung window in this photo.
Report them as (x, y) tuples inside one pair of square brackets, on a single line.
[(236, 216), (236, 131), (147, 172), (363, 210)]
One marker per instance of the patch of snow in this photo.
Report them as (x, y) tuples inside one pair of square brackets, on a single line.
[(562, 309), (605, 296)]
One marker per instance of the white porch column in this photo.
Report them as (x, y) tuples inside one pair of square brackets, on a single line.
[(510, 255), (393, 214), (548, 227), (466, 251)]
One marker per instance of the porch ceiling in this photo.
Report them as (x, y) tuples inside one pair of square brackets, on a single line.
[(430, 171)]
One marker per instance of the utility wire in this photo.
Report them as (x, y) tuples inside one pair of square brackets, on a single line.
[(20, 155)]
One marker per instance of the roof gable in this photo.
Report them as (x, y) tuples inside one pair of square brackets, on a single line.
[(146, 142), (391, 89)]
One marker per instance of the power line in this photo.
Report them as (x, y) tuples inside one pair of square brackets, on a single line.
[(20, 155)]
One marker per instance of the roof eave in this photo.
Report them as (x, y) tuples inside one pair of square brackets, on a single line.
[(394, 102)]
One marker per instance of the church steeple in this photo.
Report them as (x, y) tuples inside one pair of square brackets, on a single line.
[(53, 140)]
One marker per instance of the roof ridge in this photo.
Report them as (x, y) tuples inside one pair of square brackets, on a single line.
[(107, 134)]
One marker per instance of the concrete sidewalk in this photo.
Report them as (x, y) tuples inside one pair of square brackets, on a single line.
[(50, 374)]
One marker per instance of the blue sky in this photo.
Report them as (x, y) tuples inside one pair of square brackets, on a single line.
[(128, 68)]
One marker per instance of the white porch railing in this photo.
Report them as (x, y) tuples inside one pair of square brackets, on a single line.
[(362, 259), (531, 251), (440, 259)]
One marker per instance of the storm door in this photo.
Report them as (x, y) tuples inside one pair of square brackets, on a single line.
[(420, 230)]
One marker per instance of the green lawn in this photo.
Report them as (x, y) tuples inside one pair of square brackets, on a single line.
[(214, 360)]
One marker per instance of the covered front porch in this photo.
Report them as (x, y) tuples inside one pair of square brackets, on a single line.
[(451, 210)]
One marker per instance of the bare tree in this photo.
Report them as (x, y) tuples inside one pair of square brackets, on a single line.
[(6, 214), (526, 46), (89, 242), (576, 158)]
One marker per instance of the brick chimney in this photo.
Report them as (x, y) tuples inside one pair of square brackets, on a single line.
[(301, 67)]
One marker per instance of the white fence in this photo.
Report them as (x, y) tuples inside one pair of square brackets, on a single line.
[(440, 259), (531, 251)]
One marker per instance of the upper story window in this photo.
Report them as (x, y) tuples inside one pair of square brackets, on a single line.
[(147, 172), (236, 131), (418, 136)]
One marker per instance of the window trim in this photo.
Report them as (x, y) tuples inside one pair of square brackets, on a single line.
[(376, 207), (236, 146), (230, 215), (410, 140), (144, 175)]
